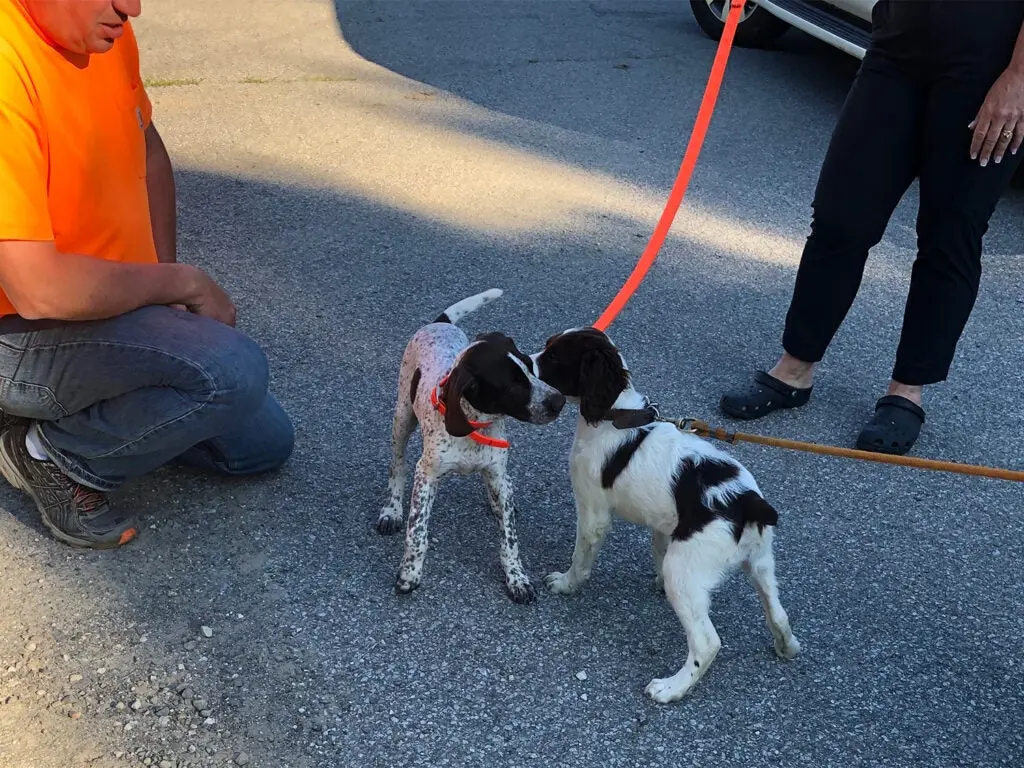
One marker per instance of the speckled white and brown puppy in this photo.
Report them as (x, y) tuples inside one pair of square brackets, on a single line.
[(459, 394)]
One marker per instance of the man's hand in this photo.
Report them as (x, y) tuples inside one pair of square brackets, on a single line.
[(210, 300), (1000, 122)]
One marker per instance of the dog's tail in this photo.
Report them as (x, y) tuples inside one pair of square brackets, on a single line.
[(460, 309)]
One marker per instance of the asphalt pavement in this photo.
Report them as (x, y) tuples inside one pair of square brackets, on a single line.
[(348, 169)]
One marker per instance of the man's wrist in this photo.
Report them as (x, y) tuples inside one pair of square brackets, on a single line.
[(188, 282)]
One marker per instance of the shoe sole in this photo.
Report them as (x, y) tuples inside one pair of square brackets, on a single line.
[(887, 450), (10, 472)]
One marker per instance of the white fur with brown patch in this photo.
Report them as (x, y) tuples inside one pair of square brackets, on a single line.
[(435, 353)]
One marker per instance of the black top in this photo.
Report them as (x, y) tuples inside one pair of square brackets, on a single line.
[(974, 33)]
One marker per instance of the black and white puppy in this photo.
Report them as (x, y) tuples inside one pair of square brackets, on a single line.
[(705, 510), (459, 393)]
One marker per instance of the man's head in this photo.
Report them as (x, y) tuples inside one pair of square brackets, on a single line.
[(83, 26)]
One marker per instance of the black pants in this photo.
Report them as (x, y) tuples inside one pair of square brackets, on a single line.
[(929, 67)]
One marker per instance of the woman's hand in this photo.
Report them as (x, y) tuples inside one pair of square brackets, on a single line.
[(1000, 122)]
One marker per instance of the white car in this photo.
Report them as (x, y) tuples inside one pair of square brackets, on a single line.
[(844, 24)]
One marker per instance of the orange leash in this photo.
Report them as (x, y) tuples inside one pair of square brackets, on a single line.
[(675, 198), (703, 430)]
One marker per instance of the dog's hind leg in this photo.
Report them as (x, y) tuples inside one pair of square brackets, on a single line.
[(390, 518), (424, 486), (760, 569), (593, 519), (689, 581), (499, 493)]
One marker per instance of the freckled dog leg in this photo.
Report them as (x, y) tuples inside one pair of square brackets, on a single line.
[(760, 570), (390, 519), (424, 486), (499, 493), (592, 523), (659, 543), (688, 587)]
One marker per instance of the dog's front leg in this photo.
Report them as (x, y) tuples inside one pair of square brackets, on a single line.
[(499, 493), (593, 519), (390, 518), (424, 486)]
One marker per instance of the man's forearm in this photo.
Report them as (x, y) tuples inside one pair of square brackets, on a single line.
[(162, 197), (45, 284), (94, 289)]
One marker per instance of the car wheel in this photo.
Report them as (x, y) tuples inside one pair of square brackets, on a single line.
[(756, 28)]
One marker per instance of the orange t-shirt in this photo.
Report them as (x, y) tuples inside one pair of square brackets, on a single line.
[(72, 146)]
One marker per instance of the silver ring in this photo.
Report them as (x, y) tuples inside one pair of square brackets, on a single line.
[(1007, 134)]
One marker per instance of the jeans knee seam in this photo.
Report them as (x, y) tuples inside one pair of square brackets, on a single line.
[(211, 386), (150, 432), (126, 345)]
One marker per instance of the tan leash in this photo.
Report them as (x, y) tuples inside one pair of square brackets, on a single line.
[(701, 429)]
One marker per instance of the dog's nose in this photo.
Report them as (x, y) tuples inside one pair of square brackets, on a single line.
[(554, 404)]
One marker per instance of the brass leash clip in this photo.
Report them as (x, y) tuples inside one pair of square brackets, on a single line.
[(686, 425)]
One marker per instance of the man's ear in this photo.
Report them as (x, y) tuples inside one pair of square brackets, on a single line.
[(602, 379), (459, 382)]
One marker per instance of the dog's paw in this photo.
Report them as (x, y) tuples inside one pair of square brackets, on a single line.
[(665, 690), (521, 592), (404, 585), (788, 648), (389, 522), (559, 583)]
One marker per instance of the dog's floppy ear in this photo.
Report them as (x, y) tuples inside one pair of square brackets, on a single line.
[(603, 377), (455, 421)]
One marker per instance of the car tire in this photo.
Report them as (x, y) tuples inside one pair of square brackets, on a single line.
[(757, 27)]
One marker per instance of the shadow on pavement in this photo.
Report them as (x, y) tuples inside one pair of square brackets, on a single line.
[(313, 657)]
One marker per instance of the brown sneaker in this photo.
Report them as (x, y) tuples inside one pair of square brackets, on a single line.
[(75, 514)]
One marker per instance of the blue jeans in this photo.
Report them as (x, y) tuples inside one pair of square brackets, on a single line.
[(116, 399)]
